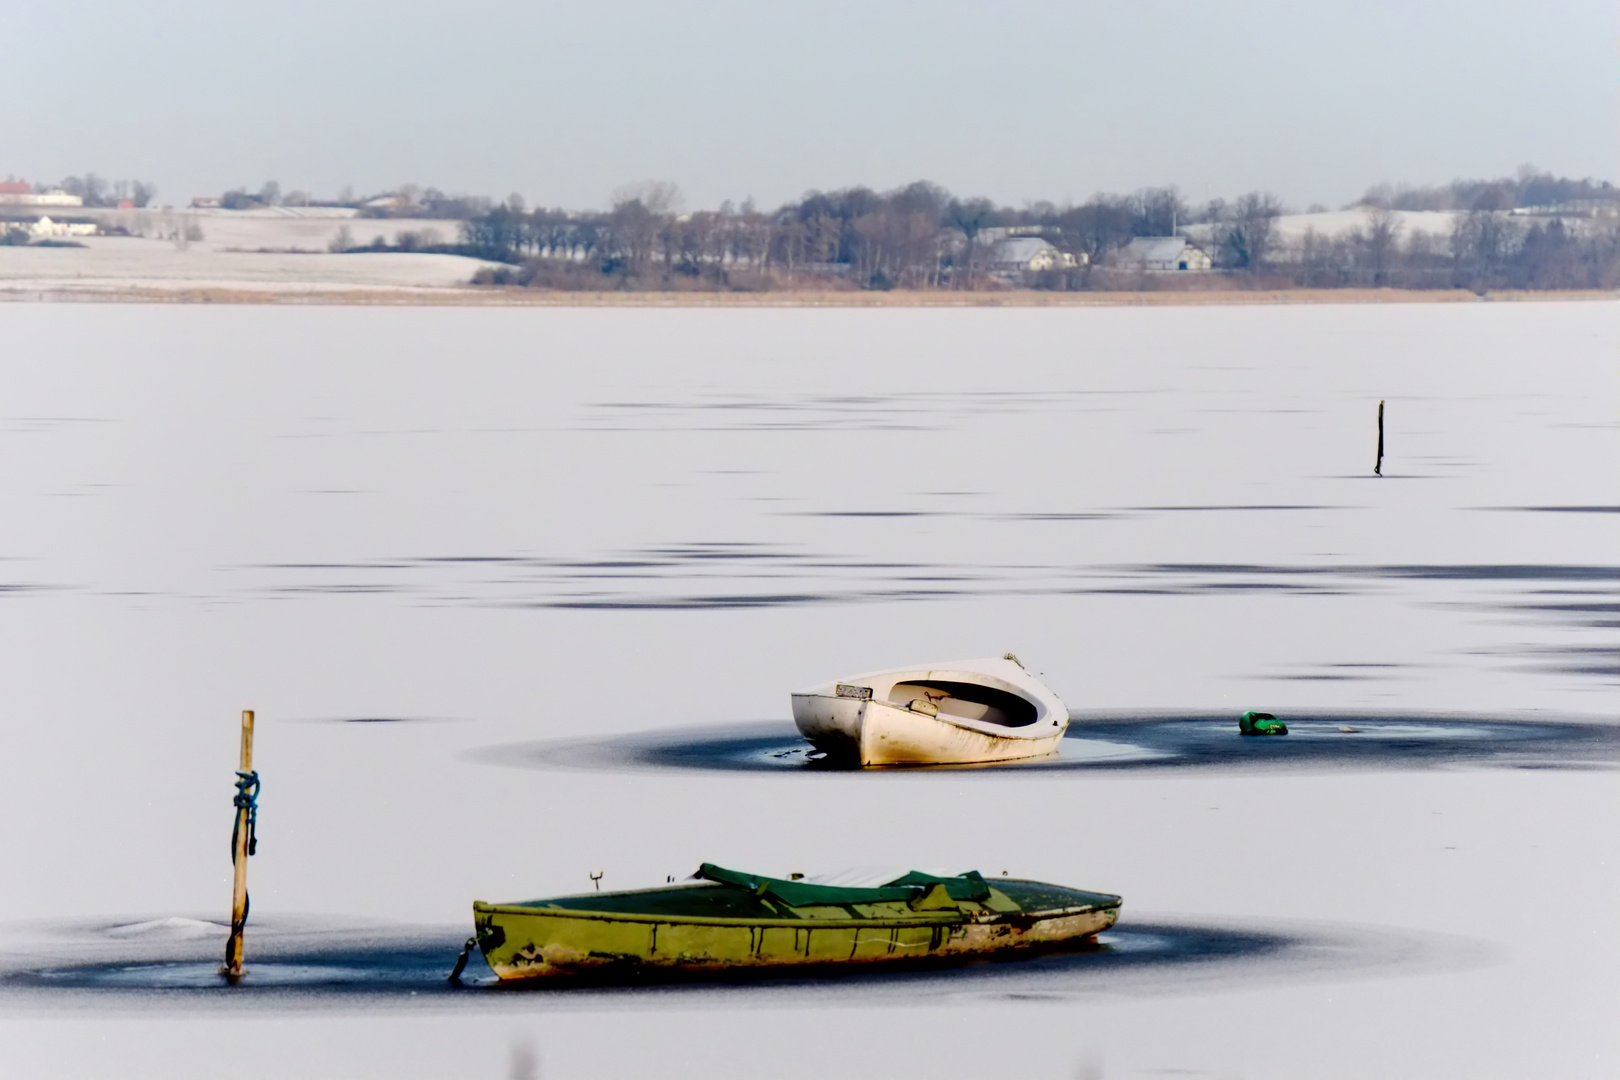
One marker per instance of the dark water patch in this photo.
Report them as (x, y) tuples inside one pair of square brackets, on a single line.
[(868, 513), (1082, 515), (1601, 661), (1241, 586), (391, 968), (1574, 616), (743, 600), (1317, 741), (380, 720), (689, 603), (899, 411), (1606, 670), (37, 425), (1554, 509), (475, 559), (1498, 572), (1239, 508), (742, 574), (1576, 609), (378, 565), (341, 588), (1431, 572), (722, 550)]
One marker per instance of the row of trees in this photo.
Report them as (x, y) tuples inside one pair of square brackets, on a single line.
[(917, 236), (1483, 249), (408, 201), (920, 236), (1532, 187), (96, 191)]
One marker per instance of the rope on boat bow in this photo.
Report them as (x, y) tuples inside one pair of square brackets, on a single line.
[(461, 961), (481, 931)]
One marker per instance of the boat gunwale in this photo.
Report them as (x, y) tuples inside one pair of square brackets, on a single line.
[(1033, 731), (1024, 683)]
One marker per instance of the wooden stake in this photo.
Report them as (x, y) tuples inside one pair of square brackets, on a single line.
[(1378, 468), (232, 968)]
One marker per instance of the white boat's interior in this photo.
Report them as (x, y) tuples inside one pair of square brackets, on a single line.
[(968, 700)]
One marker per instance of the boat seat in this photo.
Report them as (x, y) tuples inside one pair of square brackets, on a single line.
[(969, 701)]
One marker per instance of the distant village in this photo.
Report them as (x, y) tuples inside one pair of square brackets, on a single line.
[(1533, 231)]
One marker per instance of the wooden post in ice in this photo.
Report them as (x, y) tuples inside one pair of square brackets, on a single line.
[(240, 838), (1378, 467)]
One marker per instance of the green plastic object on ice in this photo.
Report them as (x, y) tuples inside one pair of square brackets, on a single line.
[(1261, 723)]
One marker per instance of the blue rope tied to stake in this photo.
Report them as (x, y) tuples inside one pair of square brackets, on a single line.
[(247, 798)]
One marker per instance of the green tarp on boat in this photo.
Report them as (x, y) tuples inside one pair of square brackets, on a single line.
[(1261, 723), (906, 888)]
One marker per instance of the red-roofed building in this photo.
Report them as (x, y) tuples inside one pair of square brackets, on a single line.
[(17, 193)]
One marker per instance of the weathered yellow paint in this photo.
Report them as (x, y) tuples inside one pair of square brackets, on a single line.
[(549, 938)]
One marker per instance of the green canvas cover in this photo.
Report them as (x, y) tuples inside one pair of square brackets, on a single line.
[(968, 886), (1261, 723)]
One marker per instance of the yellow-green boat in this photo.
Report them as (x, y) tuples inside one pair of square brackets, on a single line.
[(736, 921)]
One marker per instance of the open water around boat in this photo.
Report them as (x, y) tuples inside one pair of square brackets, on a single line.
[(314, 964), (1352, 740), (603, 545)]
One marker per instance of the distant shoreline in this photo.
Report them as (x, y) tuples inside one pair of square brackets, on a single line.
[(55, 292)]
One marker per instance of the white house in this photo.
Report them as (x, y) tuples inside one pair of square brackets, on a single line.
[(45, 227), (17, 194), (1029, 254), (1162, 253), (991, 235)]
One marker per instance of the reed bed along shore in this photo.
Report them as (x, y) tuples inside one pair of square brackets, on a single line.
[(520, 297)]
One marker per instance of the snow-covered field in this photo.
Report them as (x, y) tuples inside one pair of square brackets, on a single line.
[(310, 229), (1291, 228), (498, 526), (274, 253)]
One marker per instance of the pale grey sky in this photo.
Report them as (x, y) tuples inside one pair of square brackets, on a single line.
[(565, 100)]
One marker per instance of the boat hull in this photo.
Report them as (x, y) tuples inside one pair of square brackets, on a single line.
[(522, 942), (881, 733), (954, 713)]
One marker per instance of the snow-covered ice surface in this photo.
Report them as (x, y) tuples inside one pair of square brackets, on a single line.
[(477, 529)]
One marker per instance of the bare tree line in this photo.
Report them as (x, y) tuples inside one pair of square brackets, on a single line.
[(1483, 249), (921, 237), (1531, 187), (96, 191), (1533, 231), (916, 236)]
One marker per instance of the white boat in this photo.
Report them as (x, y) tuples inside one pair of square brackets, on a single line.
[(951, 713)]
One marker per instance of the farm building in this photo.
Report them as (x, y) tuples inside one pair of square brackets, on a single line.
[(1029, 254), (1162, 253)]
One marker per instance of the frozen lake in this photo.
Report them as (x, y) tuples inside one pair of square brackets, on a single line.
[(491, 532)]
